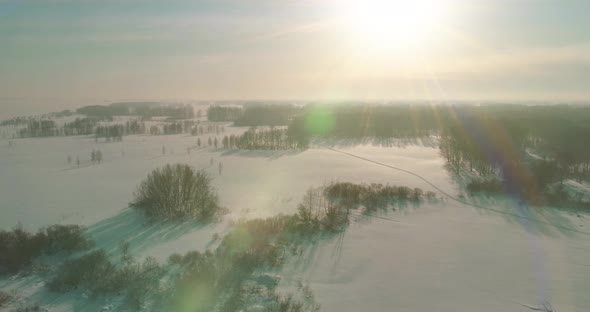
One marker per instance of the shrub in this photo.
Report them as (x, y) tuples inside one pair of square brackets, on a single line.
[(372, 196), (328, 208), (404, 192), (417, 193), (321, 211), (285, 304), (430, 195), (139, 279), (177, 192), (93, 270), (67, 238), (29, 308), (175, 259), (215, 280), (309, 209), (546, 172), (5, 298), (347, 194), (18, 247), (487, 186)]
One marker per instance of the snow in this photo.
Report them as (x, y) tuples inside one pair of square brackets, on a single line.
[(443, 256), (447, 259)]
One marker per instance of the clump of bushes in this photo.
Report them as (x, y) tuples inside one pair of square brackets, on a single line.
[(318, 212), (5, 298), (66, 238), (288, 303), (177, 192), (485, 186), (544, 192), (229, 278), (93, 270), (18, 247), (374, 195), (268, 299), (97, 273), (558, 196), (29, 308), (328, 207)]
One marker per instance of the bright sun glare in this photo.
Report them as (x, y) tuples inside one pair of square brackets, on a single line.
[(392, 23)]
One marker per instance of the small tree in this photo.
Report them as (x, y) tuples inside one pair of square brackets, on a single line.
[(225, 142), (178, 192), (308, 210), (98, 156), (5, 298)]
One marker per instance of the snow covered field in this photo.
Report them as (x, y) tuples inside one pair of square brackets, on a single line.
[(443, 256)]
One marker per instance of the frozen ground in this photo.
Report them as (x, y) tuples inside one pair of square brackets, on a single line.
[(438, 257)]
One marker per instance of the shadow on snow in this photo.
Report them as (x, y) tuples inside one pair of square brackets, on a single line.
[(132, 227)]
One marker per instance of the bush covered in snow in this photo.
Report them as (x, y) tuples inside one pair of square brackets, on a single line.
[(177, 192)]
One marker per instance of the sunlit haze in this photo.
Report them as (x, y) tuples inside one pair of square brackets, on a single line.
[(392, 24), (295, 49)]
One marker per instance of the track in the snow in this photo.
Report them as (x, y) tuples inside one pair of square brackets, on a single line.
[(565, 228)]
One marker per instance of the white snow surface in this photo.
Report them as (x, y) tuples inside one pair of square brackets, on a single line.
[(443, 256)]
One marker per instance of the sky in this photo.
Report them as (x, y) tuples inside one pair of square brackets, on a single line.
[(107, 50)]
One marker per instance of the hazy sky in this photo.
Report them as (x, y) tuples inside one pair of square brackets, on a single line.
[(293, 49)]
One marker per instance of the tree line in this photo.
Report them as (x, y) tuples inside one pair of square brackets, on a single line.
[(485, 139), (264, 139), (267, 115), (142, 109), (224, 113), (80, 126), (526, 151), (113, 132)]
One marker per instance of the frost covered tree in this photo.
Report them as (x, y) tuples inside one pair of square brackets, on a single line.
[(177, 192)]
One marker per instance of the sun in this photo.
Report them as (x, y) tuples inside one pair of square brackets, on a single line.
[(392, 23)]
